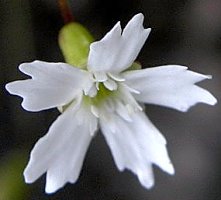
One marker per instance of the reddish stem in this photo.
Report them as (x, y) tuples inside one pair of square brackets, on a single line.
[(65, 11)]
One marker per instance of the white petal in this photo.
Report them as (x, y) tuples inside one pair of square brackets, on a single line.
[(61, 151), (136, 146), (171, 86), (52, 85), (116, 52)]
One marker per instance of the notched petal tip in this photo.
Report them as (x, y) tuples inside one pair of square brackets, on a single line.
[(23, 66), (207, 98), (9, 87), (147, 184), (146, 178), (50, 190), (26, 106), (117, 27), (209, 76), (52, 187), (170, 169), (147, 31), (14, 89), (114, 32), (214, 101), (178, 89), (110, 51), (26, 67), (138, 18), (27, 176)]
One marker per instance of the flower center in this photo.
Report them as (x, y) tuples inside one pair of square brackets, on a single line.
[(102, 94)]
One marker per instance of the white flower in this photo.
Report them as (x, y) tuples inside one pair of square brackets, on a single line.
[(105, 95)]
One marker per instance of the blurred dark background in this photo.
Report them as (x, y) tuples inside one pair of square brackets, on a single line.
[(185, 32)]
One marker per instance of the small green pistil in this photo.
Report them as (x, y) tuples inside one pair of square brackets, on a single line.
[(102, 94)]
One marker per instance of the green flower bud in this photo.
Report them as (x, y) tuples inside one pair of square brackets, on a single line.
[(74, 42)]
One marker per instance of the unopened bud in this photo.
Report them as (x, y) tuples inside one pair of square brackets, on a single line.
[(74, 42)]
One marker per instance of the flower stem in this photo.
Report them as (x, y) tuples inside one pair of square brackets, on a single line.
[(65, 11)]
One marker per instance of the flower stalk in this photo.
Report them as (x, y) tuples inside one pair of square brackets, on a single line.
[(65, 11)]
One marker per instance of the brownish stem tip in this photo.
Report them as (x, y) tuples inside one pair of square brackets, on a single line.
[(65, 11)]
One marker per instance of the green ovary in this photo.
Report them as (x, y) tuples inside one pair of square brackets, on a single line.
[(102, 95)]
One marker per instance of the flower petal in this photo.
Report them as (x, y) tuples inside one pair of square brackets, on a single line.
[(61, 151), (116, 52), (171, 86), (52, 85), (135, 145)]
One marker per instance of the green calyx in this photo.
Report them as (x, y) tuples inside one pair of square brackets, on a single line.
[(102, 94), (74, 41), (135, 66)]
